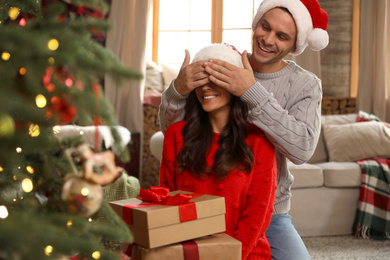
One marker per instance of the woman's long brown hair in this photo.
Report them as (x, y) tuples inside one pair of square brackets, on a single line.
[(233, 153)]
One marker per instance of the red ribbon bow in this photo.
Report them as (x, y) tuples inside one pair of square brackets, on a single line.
[(157, 195)]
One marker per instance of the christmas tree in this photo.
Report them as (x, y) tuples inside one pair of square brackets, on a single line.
[(51, 65)]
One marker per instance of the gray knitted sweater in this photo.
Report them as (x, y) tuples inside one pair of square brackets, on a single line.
[(286, 105)]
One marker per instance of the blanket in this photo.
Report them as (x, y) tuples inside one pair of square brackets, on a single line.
[(372, 219)]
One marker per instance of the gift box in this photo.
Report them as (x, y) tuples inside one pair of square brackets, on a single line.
[(217, 246), (177, 216)]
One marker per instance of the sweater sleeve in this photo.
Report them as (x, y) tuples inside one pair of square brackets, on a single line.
[(294, 130), (171, 107), (256, 216)]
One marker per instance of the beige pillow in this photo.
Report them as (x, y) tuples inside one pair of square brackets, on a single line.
[(169, 72), (356, 141)]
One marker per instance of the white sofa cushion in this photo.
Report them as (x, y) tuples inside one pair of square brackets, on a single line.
[(341, 174), (306, 175), (356, 141), (320, 154)]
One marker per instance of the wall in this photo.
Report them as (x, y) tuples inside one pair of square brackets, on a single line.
[(336, 58)]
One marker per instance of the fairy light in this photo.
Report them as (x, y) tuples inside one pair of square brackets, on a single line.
[(34, 130), (22, 71), (89, 219), (22, 22), (56, 129), (53, 44), (3, 212), (85, 191), (40, 100), (50, 60), (30, 169), (81, 132), (1, 169), (68, 82), (15, 178), (5, 55), (48, 250), (13, 13), (96, 255), (69, 224), (27, 185), (19, 150)]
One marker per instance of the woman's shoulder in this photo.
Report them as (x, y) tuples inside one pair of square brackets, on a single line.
[(255, 130), (175, 127), (257, 136)]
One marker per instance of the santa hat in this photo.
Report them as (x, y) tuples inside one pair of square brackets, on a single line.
[(310, 19), (222, 51)]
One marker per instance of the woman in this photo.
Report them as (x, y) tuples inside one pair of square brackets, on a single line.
[(215, 151)]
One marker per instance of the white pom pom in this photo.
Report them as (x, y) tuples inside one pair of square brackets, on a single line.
[(318, 39)]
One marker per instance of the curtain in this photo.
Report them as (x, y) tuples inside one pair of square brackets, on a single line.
[(374, 55), (127, 40)]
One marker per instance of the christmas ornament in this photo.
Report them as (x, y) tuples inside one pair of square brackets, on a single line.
[(104, 160), (83, 197), (82, 191), (7, 125)]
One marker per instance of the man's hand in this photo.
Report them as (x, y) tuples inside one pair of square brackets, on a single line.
[(191, 76), (233, 79)]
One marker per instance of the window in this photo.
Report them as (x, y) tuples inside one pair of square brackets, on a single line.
[(192, 24)]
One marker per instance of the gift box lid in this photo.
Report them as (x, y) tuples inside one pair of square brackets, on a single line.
[(165, 215)]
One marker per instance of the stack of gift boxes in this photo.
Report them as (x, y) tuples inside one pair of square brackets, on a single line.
[(177, 225)]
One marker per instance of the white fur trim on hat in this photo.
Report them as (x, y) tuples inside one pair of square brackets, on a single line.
[(223, 52), (316, 38)]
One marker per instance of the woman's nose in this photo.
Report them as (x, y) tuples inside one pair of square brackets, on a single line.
[(206, 87)]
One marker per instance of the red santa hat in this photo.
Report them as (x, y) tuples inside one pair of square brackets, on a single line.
[(310, 19), (222, 51)]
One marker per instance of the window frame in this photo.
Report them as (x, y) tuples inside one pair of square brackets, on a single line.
[(216, 24)]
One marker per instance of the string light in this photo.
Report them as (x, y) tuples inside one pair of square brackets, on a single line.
[(53, 44), (48, 250), (68, 82), (85, 191), (40, 100), (5, 56), (56, 129), (96, 255), (90, 219), (69, 224), (1, 169), (30, 169), (51, 60), (22, 71), (19, 150), (34, 130), (3, 212), (27, 185), (22, 22), (13, 13)]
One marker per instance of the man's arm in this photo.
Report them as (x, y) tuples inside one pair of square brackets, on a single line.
[(295, 129), (171, 107)]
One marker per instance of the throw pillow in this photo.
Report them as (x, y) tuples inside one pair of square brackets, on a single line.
[(169, 72), (356, 141)]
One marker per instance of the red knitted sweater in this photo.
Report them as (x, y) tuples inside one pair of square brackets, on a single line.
[(249, 197)]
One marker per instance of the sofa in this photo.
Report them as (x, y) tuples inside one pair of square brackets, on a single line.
[(326, 189), (325, 193)]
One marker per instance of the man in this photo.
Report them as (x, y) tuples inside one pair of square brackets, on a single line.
[(284, 100)]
